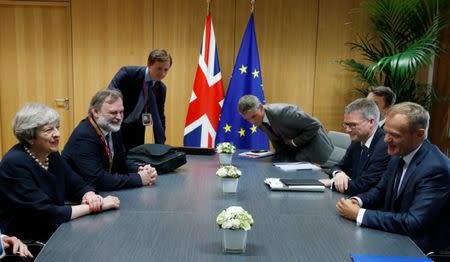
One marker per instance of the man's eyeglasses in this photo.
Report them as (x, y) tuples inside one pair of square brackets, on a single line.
[(353, 125)]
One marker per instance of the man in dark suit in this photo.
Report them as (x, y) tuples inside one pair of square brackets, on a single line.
[(413, 195), (95, 148), (295, 135), (384, 97), (144, 95), (366, 158)]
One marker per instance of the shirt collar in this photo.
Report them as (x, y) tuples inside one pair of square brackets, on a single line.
[(410, 156), (369, 140), (266, 120), (381, 122)]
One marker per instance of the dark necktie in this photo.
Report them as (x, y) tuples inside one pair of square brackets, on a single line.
[(270, 128), (398, 176), (364, 155), (108, 138)]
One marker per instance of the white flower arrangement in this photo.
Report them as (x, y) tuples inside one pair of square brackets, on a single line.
[(235, 217), (226, 147), (229, 172)]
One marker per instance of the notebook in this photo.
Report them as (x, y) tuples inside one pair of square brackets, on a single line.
[(283, 184)]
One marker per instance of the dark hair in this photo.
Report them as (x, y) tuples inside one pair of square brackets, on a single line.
[(385, 92), (159, 55)]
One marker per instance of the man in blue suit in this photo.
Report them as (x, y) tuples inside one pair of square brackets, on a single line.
[(144, 96), (366, 158), (413, 196), (95, 148)]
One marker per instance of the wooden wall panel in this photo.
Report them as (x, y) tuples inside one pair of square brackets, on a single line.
[(440, 112), (334, 85), (35, 63), (179, 28), (286, 34), (107, 34)]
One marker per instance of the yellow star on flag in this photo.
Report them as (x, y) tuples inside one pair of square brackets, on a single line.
[(227, 128), (253, 128), (241, 132), (255, 73), (243, 69)]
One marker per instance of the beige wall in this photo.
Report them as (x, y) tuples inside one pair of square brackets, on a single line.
[(298, 42)]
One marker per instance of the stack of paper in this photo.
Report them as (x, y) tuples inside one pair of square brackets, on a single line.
[(296, 166), (257, 153)]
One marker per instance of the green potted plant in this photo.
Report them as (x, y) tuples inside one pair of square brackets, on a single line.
[(230, 178), (235, 222), (405, 42)]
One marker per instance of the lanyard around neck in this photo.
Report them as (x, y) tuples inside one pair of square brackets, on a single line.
[(102, 137)]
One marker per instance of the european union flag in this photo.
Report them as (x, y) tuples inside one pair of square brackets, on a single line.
[(246, 80)]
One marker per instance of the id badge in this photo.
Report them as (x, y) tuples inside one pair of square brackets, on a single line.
[(147, 119)]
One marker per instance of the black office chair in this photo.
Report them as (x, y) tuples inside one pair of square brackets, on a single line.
[(440, 256)]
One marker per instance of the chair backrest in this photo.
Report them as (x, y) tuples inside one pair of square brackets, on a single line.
[(341, 141)]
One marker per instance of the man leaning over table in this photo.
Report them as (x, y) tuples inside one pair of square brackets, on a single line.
[(95, 148), (366, 158), (413, 196), (295, 135)]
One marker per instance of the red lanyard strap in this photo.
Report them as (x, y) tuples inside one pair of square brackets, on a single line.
[(102, 137)]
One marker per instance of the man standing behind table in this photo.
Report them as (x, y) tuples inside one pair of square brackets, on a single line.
[(144, 96), (95, 148), (366, 158), (384, 97), (413, 195), (295, 135)]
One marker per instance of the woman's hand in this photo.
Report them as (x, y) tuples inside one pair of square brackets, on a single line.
[(110, 202), (94, 201), (17, 247)]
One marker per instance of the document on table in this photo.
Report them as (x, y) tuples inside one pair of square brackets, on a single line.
[(257, 153), (296, 166)]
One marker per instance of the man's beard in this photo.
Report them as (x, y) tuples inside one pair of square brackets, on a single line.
[(108, 124)]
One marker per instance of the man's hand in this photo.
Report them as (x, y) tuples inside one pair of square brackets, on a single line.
[(289, 142), (18, 248), (348, 208), (341, 181), (326, 182), (148, 175)]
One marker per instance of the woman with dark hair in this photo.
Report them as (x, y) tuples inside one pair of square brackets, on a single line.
[(35, 182)]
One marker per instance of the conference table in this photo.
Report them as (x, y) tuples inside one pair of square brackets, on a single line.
[(175, 220)]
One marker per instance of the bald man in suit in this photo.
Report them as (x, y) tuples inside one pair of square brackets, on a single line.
[(295, 135)]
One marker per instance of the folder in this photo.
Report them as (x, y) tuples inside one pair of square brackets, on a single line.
[(370, 258), (283, 184)]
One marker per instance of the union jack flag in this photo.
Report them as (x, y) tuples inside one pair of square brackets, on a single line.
[(207, 96)]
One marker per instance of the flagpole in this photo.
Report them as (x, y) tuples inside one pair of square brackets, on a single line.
[(207, 6), (252, 7)]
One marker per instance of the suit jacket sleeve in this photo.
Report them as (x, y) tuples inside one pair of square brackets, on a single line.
[(426, 206), (118, 80), (75, 185), (89, 163), (19, 188), (306, 125), (370, 176)]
